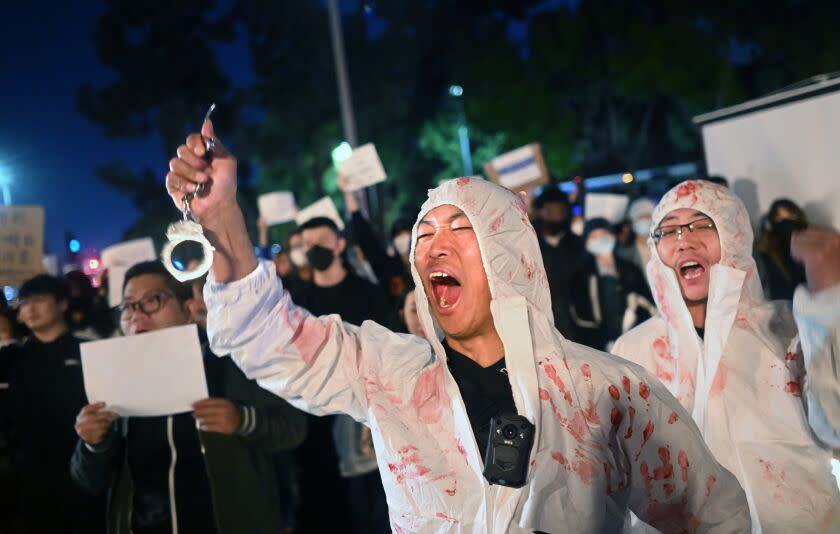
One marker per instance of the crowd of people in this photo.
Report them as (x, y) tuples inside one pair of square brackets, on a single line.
[(397, 358)]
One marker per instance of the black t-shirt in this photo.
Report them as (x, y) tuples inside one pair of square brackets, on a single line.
[(354, 299), (486, 392)]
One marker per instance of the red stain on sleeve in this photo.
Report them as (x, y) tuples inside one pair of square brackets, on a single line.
[(453, 490), (551, 372), (625, 381), (710, 484), (632, 413), (441, 515), (544, 395), (719, 383), (673, 418), (586, 371), (647, 433), (668, 488), (791, 356), (644, 390), (591, 414), (560, 458), (615, 417), (682, 459), (793, 389), (585, 470), (614, 392), (667, 469)]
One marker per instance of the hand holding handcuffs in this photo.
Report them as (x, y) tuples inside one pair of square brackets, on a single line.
[(187, 243)]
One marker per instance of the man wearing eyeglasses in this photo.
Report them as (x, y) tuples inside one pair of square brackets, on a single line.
[(760, 382), (210, 471)]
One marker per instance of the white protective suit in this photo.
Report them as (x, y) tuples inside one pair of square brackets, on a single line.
[(745, 382), (608, 436)]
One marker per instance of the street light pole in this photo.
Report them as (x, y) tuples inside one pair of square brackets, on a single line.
[(457, 92)]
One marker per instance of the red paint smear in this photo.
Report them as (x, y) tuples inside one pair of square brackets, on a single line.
[(648, 431), (495, 223), (463, 181), (441, 515), (528, 271), (407, 449), (671, 517), (551, 372), (644, 390), (544, 395), (453, 490), (667, 469), (673, 419), (791, 356), (586, 372), (616, 416), (409, 467), (626, 383), (309, 335), (614, 392), (585, 470), (429, 395), (461, 450), (720, 380), (668, 488), (710, 484), (577, 426), (768, 470), (560, 458), (644, 471), (591, 414), (682, 459), (632, 412), (793, 389)]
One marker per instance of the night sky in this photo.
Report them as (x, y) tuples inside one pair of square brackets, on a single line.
[(51, 150)]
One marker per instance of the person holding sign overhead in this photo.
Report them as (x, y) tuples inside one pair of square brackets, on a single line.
[(207, 471), (501, 427)]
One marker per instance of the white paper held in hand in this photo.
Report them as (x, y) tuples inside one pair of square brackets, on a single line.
[(610, 206), (277, 207), (363, 168), (324, 207), (151, 374)]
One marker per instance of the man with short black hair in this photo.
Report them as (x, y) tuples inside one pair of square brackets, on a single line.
[(46, 390)]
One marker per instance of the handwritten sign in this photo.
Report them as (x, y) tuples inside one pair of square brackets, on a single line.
[(277, 207), (324, 207), (21, 243), (519, 170), (363, 168)]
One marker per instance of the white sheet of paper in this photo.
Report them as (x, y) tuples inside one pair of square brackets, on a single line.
[(277, 207), (517, 167), (610, 206), (363, 168), (324, 207), (151, 374), (118, 258)]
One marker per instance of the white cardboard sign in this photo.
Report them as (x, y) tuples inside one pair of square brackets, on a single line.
[(363, 168), (324, 207), (118, 258), (610, 206), (277, 207)]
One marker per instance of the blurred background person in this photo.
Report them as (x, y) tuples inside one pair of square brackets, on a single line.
[(780, 274), (608, 295), (636, 251), (88, 314), (561, 251)]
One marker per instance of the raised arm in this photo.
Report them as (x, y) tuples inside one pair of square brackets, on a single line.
[(816, 310)]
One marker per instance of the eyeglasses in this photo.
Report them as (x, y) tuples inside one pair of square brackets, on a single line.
[(147, 305), (673, 232)]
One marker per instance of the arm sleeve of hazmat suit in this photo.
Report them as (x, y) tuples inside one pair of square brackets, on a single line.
[(676, 484), (318, 364), (818, 320)]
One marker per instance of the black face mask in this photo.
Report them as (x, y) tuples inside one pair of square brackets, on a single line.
[(320, 258), (555, 227)]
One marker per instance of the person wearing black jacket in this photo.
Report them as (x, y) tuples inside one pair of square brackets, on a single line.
[(44, 392), (608, 295), (206, 472), (561, 250), (335, 289)]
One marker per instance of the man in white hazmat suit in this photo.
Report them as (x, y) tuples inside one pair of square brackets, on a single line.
[(757, 391), (607, 437)]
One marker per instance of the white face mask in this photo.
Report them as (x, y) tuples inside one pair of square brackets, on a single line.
[(600, 246), (402, 244), (298, 257), (577, 227), (641, 227)]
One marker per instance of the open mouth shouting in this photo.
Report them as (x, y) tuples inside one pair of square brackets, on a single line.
[(691, 270), (446, 290)]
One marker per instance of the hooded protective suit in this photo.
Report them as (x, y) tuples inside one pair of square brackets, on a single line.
[(743, 382), (608, 436)]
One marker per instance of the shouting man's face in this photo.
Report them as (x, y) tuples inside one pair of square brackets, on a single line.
[(448, 259), (689, 251)]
